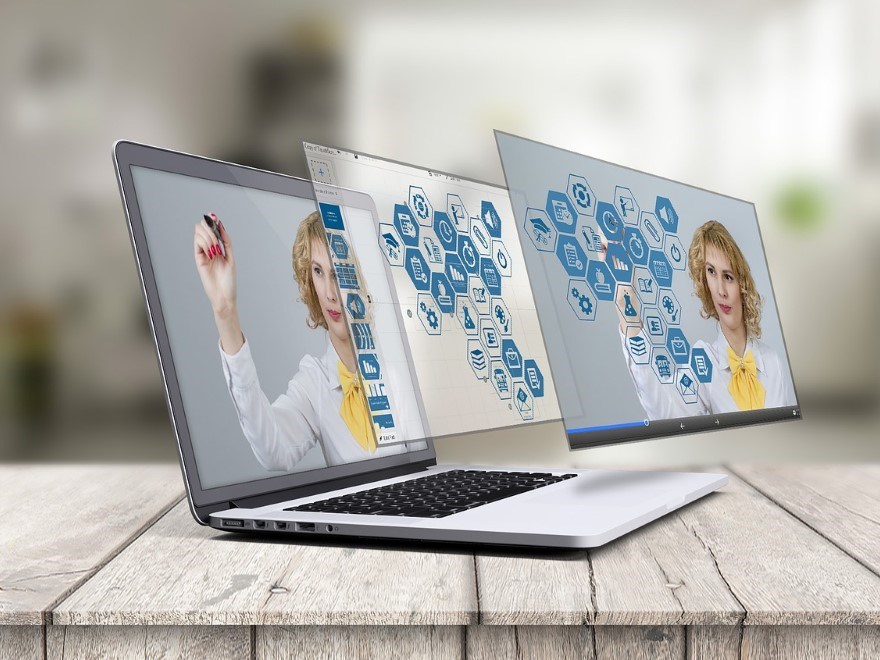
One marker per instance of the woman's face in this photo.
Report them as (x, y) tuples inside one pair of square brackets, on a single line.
[(726, 294), (324, 279)]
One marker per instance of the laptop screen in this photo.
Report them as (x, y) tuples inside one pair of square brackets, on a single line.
[(263, 363), (654, 296), (459, 286)]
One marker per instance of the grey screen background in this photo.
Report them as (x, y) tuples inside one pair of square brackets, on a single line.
[(592, 381), (263, 227)]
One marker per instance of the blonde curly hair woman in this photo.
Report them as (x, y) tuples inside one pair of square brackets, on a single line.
[(324, 402), (746, 374)]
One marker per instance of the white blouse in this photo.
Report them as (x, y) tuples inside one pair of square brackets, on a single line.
[(282, 432), (663, 401)]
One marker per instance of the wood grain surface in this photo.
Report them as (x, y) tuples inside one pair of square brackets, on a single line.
[(62, 522), (178, 573)]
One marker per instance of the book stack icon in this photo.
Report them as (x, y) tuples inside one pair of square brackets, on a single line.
[(637, 345)]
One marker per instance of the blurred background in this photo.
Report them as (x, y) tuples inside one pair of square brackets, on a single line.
[(776, 101)]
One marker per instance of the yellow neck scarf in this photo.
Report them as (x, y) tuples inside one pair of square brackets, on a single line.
[(745, 388), (354, 409)]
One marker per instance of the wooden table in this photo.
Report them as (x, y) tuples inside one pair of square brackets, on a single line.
[(105, 561)]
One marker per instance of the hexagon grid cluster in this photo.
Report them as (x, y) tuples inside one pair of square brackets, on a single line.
[(457, 264), (642, 253)]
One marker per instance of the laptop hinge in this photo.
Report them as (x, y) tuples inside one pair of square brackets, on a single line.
[(325, 486)]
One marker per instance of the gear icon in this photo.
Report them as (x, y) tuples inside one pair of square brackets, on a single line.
[(575, 292), (581, 196), (431, 317), (586, 305), (421, 206)]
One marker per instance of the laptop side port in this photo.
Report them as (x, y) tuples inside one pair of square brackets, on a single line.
[(233, 523), (280, 525), (305, 527), (260, 524)]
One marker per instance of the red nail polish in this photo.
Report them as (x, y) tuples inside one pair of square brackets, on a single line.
[(214, 215), (214, 250)]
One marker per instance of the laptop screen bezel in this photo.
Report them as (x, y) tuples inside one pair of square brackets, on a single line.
[(128, 154)]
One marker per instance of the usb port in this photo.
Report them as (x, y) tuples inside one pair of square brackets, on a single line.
[(233, 523), (305, 527), (280, 525), (259, 524)]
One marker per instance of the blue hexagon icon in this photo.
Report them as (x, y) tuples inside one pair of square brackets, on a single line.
[(501, 317), (662, 364), (676, 254), (660, 268), (590, 238), (686, 385), (628, 304), (455, 271), (540, 230), (443, 292), (458, 213), (429, 314), (581, 195), (417, 268), (430, 246), (481, 239), (669, 306), (391, 244), (638, 346), (572, 256), (369, 365), (501, 257), (523, 401), (645, 285), (666, 214), (678, 346), (467, 251), (491, 219), (512, 358), (654, 325), (490, 337), (561, 212), (478, 359), (500, 379), (490, 275), (467, 315), (355, 306), (420, 206), (626, 205), (445, 231), (406, 225), (651, 229), (701, 364), (478, 295), (581, 299), (533, 377), (636, 246), (609, 221), (619, 263), (601, 280)]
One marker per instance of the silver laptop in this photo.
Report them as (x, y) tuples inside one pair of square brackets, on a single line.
[(310, 365)]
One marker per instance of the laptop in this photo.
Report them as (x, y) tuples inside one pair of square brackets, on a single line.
[(311, 405)]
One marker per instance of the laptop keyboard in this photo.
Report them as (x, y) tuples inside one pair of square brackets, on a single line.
[(436, 495)]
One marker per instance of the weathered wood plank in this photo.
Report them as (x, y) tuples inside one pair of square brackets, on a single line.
[(408, 642), (781, 571), (799, 642), (148, 642), (490, 642), (62, 522), (179, 573), (640, 642), (662, 575), (534, 588), (21, 642), (716, 642), (841, 502)]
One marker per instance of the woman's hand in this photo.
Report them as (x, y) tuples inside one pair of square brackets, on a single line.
[(216, 271)]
